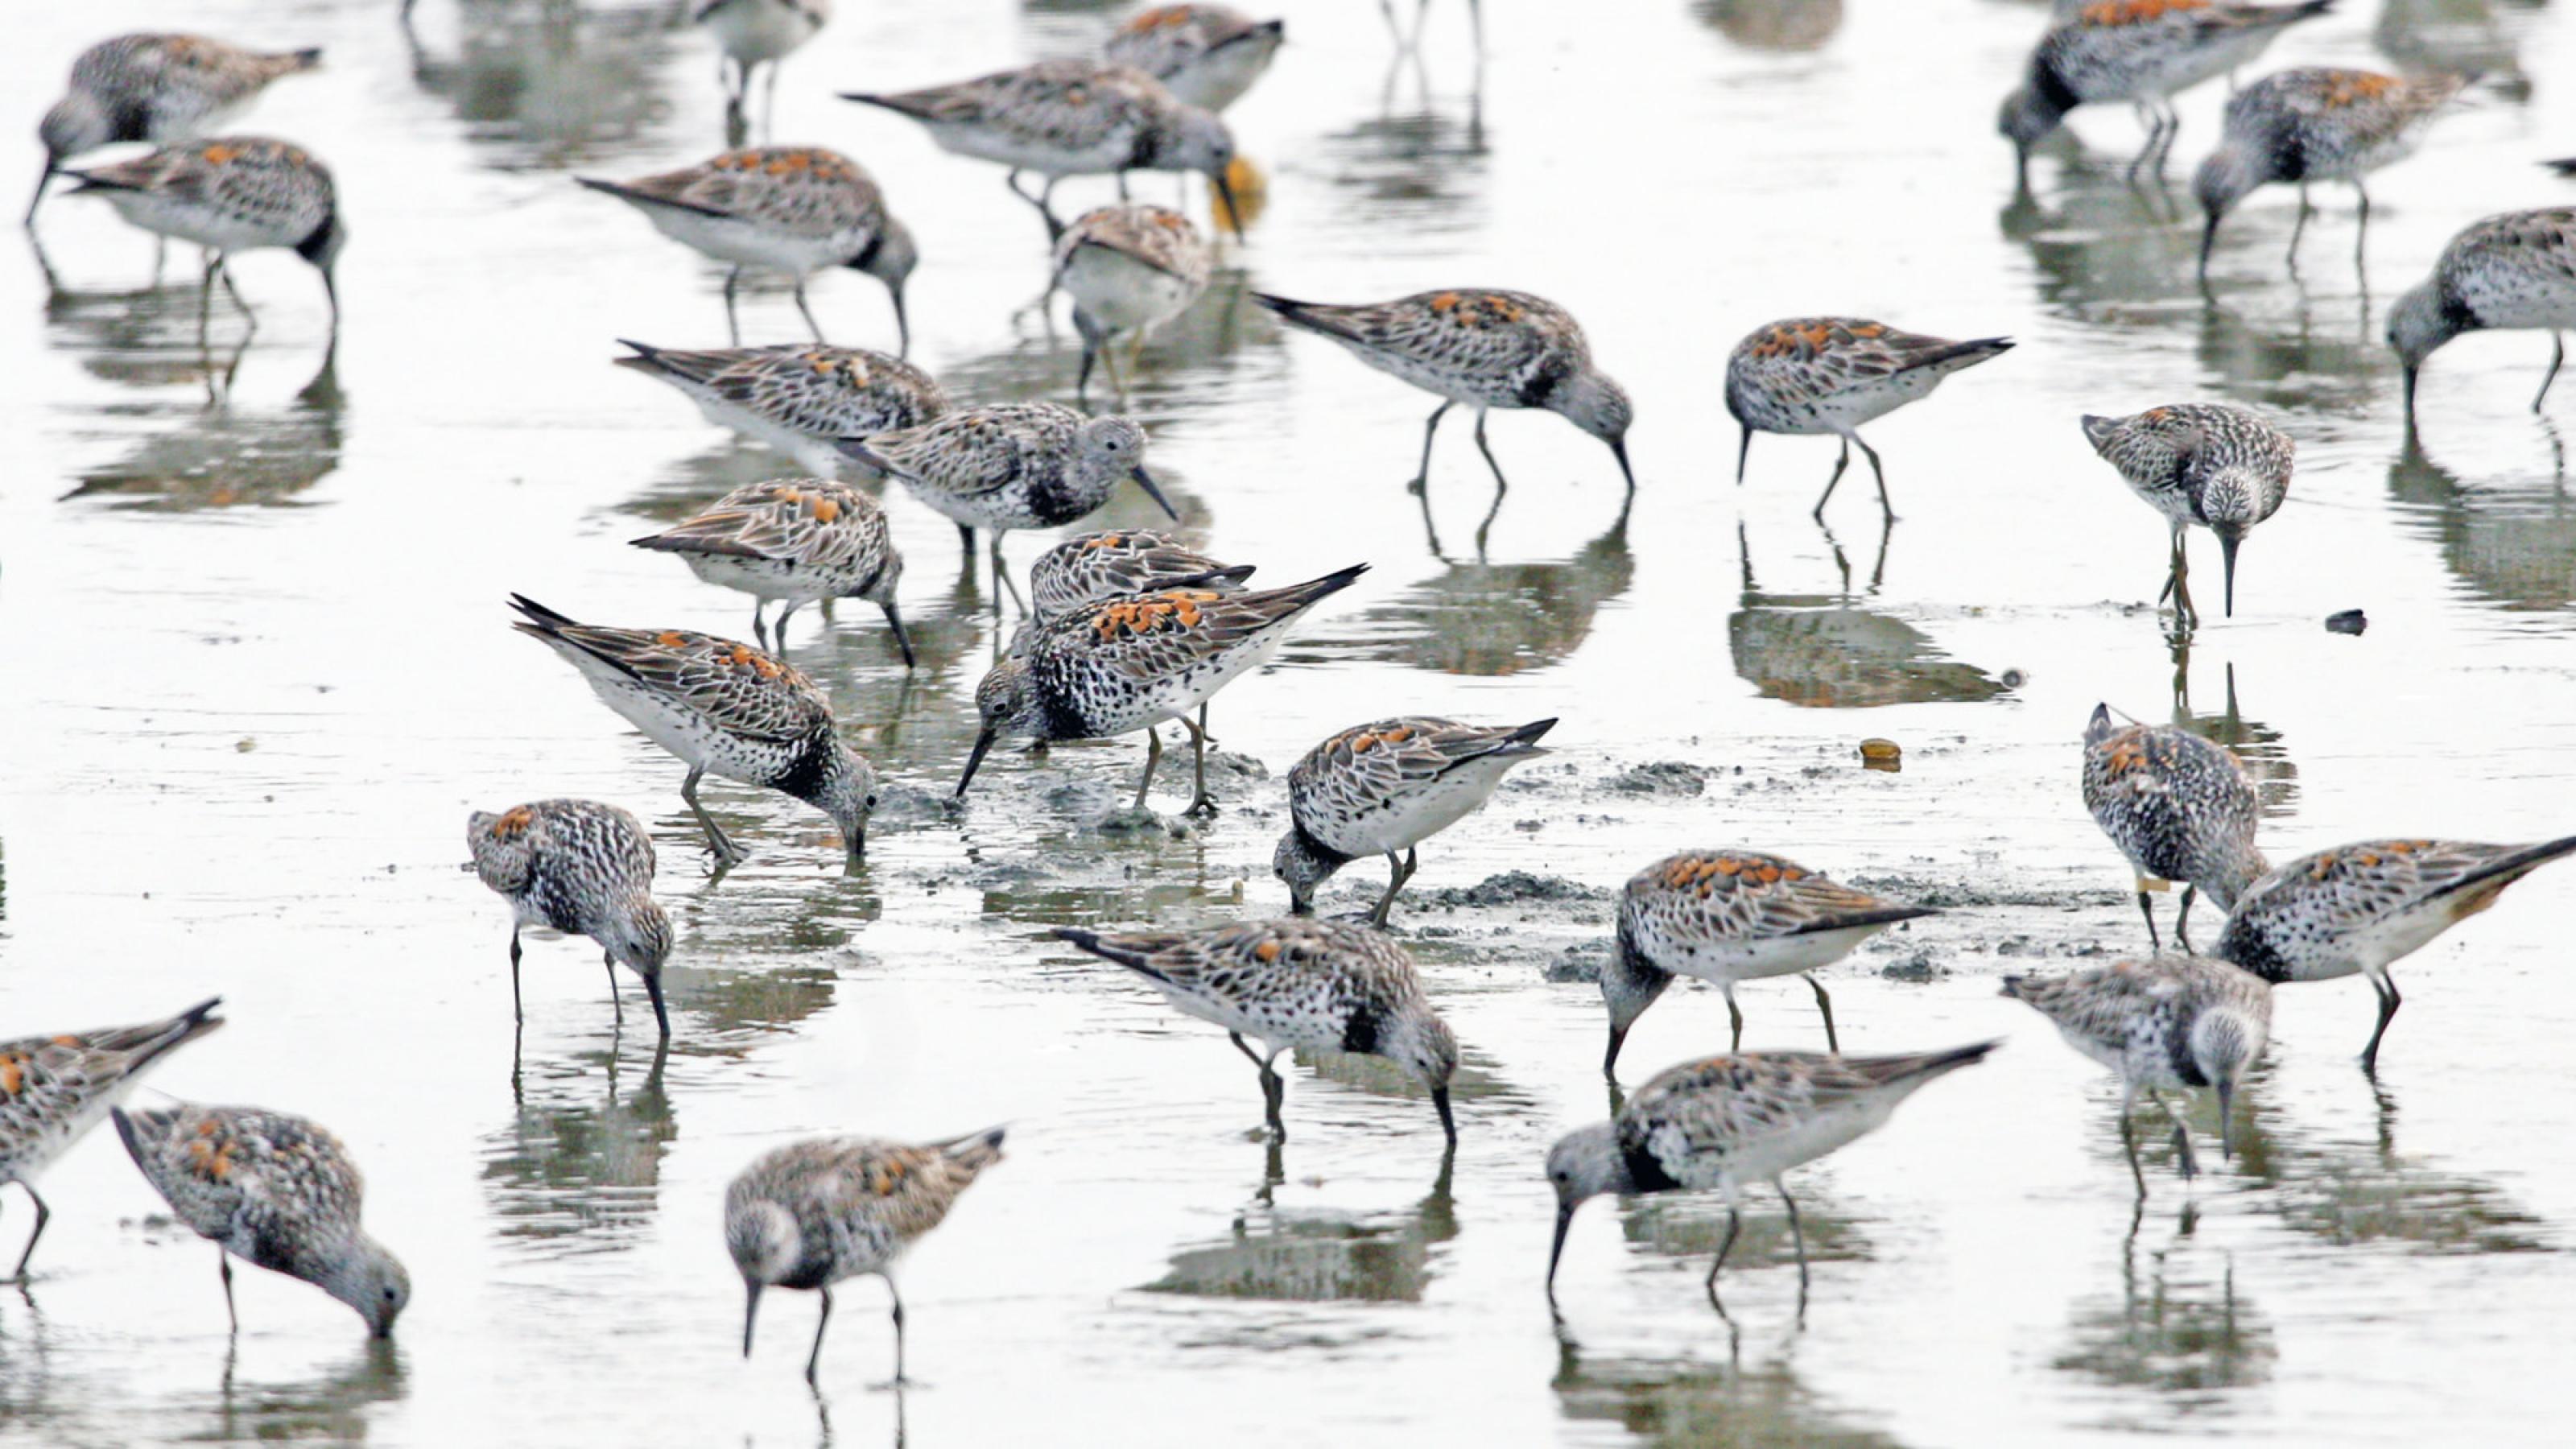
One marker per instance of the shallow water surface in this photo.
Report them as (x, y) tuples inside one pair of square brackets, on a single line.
[(262, 674)]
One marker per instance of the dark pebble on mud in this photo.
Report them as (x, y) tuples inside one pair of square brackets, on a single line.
[(1664, 777), (2350, 621), (1918, 967)]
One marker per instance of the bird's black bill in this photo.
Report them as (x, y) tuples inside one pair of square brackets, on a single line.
[(1440, 1104), (43, 181), (2227, 543), (1145, 481), (2208, 239), (1225, 194), (1610, 1058), (2227, 1120), (974, 761), (902, 324), (902, 640), (1743, 452), (750, 1315), (1556, 1249)]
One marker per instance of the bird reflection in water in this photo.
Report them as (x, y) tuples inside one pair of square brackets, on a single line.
[(2173, 1329), (2457, 37), (2257, 745), (2356, 1193), (1694, 1402), (1496, 619), (542, 85), (1318, 1255), (227, 456), (1779, 25), (2510, 543), (572, 1173), (1825, 651)]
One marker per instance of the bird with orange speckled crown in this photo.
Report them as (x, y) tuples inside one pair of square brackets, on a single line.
[(2358, 908), (800, 400), (721, 707), (2143, 52), (815, 1212), (233, 194), (1385, 787), (1815, 376), (1208, 55), (2215, 465), (2179, 807), (791, 209), (1726, 916), (1295, 983), (796, 540), (2317, 123), (276, 1190), (1483, 349), (1133, 663), (55, 1088), (581, 868)]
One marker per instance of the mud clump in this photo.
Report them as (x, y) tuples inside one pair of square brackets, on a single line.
[(1518, 888), (1918, 966), (899, 804), (1579, 963), (1664, 777)]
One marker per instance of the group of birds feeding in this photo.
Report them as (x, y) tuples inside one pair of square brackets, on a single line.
[(1129, 630)]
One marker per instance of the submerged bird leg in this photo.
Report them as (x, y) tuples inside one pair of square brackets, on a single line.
[(206, 297), (44, 1215), (1797, 1235), (2299, 226), (614, 999), (1726, 1245), (2129, 1143), (733, 324), (2182, 1136), (1091, 340), (1201, 803), (2182, 917), (2361, 236), (1422, 475), (224, 1265), (808, 312), (821, 1322), (2557, 355), (1841, 461), (2184, 613), (2147, 903), (1153, 757), (1825, 1004), (1273, 1090), (726, 852), (2389, 1001), (516, 1013)]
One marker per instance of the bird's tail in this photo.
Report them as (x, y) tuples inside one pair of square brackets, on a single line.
[(1964, 354), (1133, 952), (2478, 889), (1312, 316), (1914, 1069)]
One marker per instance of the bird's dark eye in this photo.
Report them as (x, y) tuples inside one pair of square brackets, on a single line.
[(872, 802), (389, 1295)]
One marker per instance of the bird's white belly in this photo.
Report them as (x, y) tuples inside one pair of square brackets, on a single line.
[(1417, 816), (1772, 956), (1030, 153), (728, 239), (1218, 80), (754, 31), (1121, 293), (202, 225), (760, 578)]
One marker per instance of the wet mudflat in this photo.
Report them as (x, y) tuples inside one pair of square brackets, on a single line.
[(261, 674)]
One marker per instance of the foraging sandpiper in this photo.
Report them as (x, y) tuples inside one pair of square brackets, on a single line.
[(800, 400), (1385, 787), (1828, 375), (581, 868), (796, 540), (2180, 807), (2216, 465)]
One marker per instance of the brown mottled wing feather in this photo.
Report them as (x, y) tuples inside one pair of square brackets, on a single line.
[(1074, 104), (1707, 1110), (738, 688), (1388, 758), (1150, 637), (801, 189), (980, 450), (1733, 896)]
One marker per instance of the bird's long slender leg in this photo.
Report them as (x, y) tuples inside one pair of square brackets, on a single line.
[(2389, 1001), (759, 625), (1201, 803), (206, 297), (2148, 118), (1397, 873), (614, 1000), (1735, 1018), (821, 1322), (1273, 1091), (1825, 1004), (2182, 918), (1002, 572), (2361, 234), (2184, 613), (1726, 1245), (816, 327), (778, 626), (517, 1014), (897, 1295), (1153, 757), (44, 1215), (733, 323), (1879, 472), (2557, 355), (224, 1265), (727, 853), (1841, 461), (966, 541), (2129, 1142), (2299, 226), (769, 115), (2147, 908), (2182, 1136), (1797, 1235), (1422, 475), (1502, 485)]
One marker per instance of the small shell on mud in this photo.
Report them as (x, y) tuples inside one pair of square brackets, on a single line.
[(1878, 754)]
